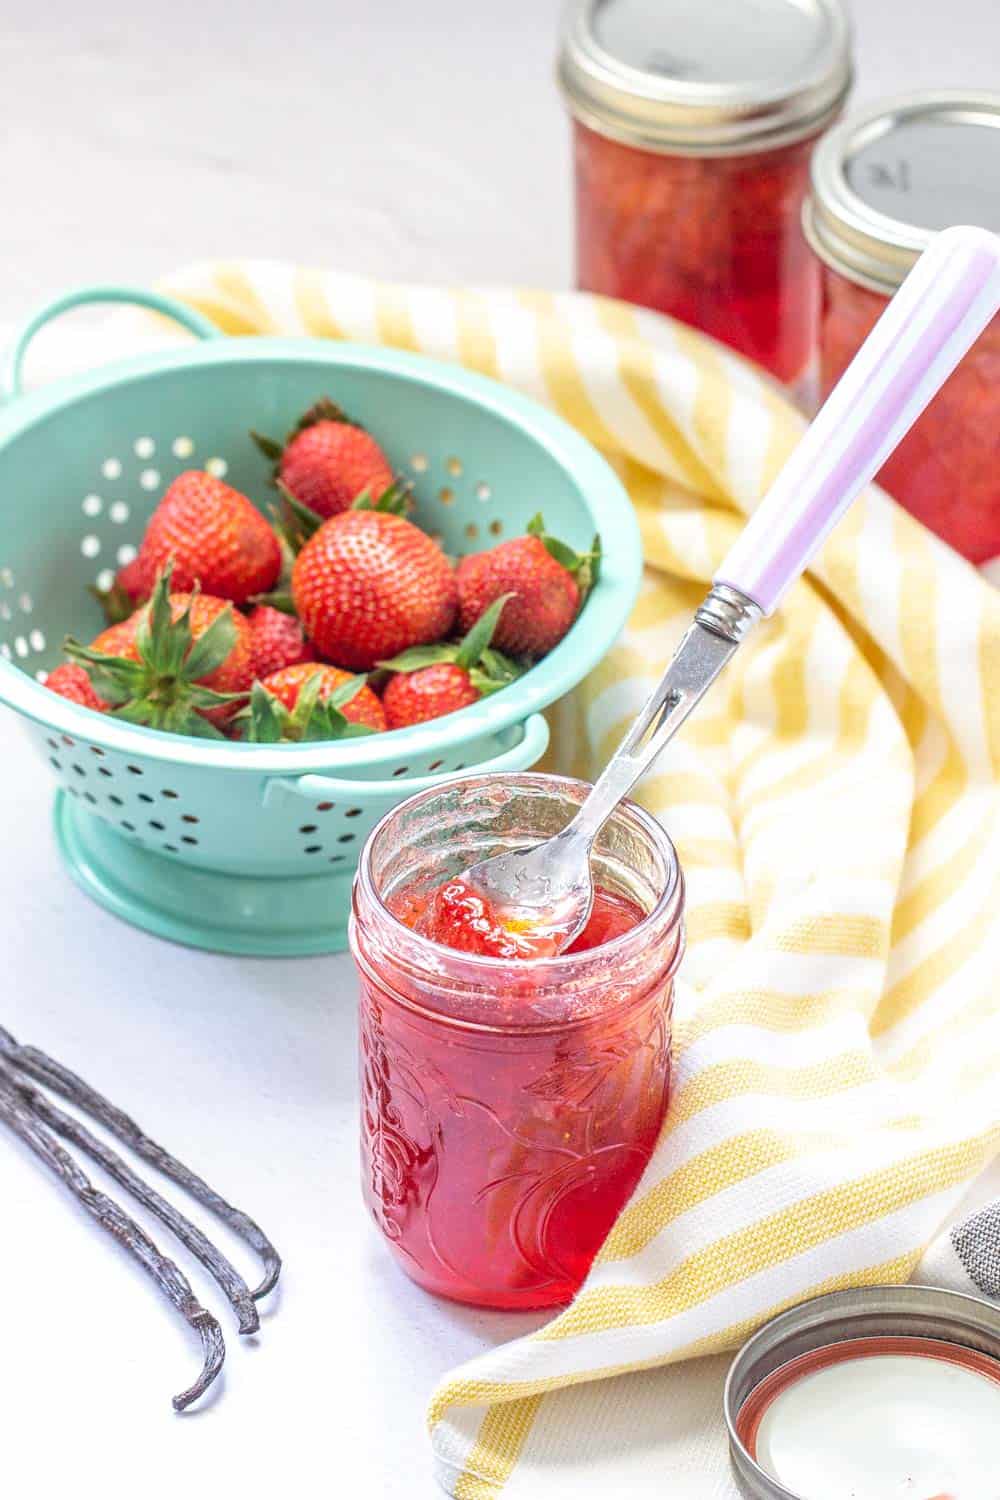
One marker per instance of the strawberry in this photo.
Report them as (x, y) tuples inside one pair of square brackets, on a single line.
[(369, 584), (362, 708), (277, 640), (311, 701), (132, 586), (214, 537), (181, 663), (431, 681), (546, 582), (327, 461), (429, 693), (72, 682)]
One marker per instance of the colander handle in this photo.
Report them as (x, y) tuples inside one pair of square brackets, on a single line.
[(529, 748), (11, 383)]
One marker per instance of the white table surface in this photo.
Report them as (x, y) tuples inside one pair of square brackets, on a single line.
[(424, 142)]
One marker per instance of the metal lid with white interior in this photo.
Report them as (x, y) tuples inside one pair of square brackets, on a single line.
[(705, 76), (884, 183), (877, 1391)]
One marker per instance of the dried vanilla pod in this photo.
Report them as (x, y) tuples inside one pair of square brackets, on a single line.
[(19, 1117), (62, 1081), (190, 1236)]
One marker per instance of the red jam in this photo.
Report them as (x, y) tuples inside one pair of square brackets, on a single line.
[(715, 241), (497, 1153), (946, 472)]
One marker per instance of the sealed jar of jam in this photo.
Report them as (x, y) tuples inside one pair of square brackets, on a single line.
[(509, 1103), (882, 185), (693, 125)]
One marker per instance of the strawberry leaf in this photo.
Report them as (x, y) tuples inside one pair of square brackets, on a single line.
[(499, 668), (419, 656), (296, 522), (279, 600), (211, 648), (270, 447), (346, 692), (479, 637), (394, 501), (114, 678), (117, 604), (265, 717), (584, 566)]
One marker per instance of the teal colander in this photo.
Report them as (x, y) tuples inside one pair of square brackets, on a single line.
[(251, 848)]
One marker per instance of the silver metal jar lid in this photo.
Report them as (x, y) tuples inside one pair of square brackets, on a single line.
[(878, 1314), (885, 182), (705, 77)]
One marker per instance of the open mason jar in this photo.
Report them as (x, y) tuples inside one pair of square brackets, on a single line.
[(693, 125), (509, 1107), (882, 186)]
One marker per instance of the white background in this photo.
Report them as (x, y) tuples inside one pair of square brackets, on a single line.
[(424, 142)]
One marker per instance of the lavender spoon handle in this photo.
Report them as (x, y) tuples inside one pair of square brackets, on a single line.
[(940, 310)]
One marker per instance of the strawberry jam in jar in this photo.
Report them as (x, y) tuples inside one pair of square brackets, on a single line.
[(882, 185), (509, 1103), (693, 125)]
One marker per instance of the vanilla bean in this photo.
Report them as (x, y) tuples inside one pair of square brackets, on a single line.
[(62, 1081), (228, 1278), (20, 1118)]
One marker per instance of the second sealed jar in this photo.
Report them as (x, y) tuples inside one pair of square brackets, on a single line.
[(693, 125), (882, 185)]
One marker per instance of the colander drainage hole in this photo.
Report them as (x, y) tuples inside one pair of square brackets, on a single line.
[(145, 797), (96, 750), (89, 797), (435, 765), (186, 838), (166, 792), (308, 828), (79, 769), (171, 848), (103, 771), (55, 764), (135, 770), (353, 812), (190, 818), (128, 827), (400, 770), (52, 744), (160, 827), (67, 741), (313, 849), (320, 806), (345, 838), (337, 859), (115, 801)]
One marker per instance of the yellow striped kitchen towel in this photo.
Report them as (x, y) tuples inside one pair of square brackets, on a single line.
[(835, 804)]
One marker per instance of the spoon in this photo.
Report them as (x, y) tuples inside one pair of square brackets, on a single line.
[(939, 311)]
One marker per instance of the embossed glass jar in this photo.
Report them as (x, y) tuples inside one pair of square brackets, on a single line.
[(509, 1108), (693, 125), (883, 184)]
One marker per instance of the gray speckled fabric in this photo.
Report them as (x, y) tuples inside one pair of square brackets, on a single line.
[(976, 1242)]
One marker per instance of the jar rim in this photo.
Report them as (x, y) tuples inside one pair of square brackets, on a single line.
[(851, 236), (677, 115), (444, 965)]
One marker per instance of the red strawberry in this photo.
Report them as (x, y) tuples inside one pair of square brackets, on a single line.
[(369, 584), (430, 692), (119, 640), (277, 641), (214, 537), (362, 708), (174, 665), (136, 579), (327, 461), (431, 681), (544, 579), (72, 682)]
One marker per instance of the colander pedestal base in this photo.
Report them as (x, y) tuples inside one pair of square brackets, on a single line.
[(264, 916)]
